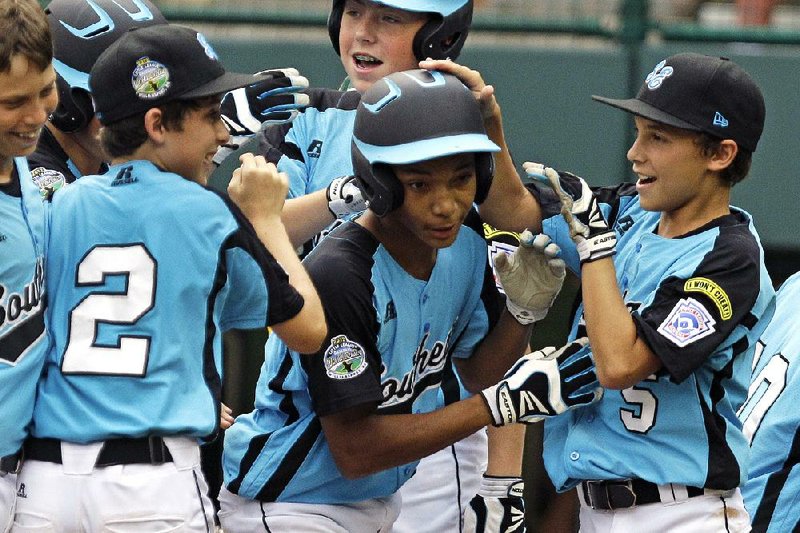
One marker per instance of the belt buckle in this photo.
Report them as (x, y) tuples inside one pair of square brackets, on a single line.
[(612, 491), (627, 493)]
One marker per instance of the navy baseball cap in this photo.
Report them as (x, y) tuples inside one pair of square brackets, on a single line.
[(701, 93), (150, 66)]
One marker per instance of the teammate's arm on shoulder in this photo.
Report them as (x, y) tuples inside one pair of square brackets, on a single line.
[(304, 332)]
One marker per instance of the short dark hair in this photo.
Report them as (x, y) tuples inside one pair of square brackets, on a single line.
[(24, 30), (739, 167), (123, 137)]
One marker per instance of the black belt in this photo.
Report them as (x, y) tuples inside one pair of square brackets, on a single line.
[(145, 450), (624, 493), (10, 463)]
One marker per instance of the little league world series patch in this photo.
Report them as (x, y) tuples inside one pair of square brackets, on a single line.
[(688, 322), (344, 359)]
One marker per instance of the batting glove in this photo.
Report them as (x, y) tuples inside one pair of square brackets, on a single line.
[(587, 225), (344, 197), (531, 277), (544, 383), (497, 508), (273, 99)]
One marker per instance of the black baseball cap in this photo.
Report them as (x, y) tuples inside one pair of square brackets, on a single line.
[(701, 93), (150, 66)]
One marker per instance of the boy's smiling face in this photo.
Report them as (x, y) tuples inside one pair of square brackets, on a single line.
[(377, 40), (27, 97)]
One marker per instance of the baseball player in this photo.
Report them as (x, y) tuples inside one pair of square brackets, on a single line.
[(771, 420), (27, 97), (374, 39), (142, 291), (334, 436), (674, 296)]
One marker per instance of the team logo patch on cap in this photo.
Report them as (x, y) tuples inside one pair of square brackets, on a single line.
[(344, 359), (48, 181), (207, 47), (713, 291), (659, 74), (150, 79), (688, 322)]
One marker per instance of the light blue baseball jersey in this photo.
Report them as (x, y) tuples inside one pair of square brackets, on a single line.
[(390, 341), (147, 269), (771, 420), (23, 342), (700, 302)]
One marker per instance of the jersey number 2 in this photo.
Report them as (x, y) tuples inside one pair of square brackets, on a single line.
[(84, 355)]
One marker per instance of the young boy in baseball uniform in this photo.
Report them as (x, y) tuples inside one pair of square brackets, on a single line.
[(674, 296), (407, 293), (374, 39), (147, 269), (770, 420), (27, 97)]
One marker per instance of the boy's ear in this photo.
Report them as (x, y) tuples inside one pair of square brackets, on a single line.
[(154, 125), (723, 157)]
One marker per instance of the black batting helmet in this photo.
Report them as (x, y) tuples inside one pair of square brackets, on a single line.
[(441, 37), (82, 30), (413, 116)]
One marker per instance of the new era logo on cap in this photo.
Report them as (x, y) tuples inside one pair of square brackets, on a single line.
[(700, 93)]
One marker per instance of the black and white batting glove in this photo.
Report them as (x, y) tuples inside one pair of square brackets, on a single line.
[(274, 99), (587, 225), (497, 508), (531, 277), (344, 197), (544, 383)]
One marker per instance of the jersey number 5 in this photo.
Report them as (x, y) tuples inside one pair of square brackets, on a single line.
[(643, 418), (83, 354)]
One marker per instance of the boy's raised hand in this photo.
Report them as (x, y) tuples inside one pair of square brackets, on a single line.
[(531, 277), (579, 207), (258, 188)]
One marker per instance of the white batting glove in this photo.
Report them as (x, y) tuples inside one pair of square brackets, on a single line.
[(587, 225), (544, 383), (531, 277), (344, 197), (497, 508)]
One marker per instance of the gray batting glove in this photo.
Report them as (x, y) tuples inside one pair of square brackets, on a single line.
[(344, 197), (531, 277), (544, 383), (497, 508), (579, 207)]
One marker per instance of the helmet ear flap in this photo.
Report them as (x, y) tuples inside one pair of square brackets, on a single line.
[(75, 109), (378, 183)]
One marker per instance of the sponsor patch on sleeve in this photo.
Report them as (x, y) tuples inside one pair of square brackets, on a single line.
[(713, 291), (344, 359), (688, 322)]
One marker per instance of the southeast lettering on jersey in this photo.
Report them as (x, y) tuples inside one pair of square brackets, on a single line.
[(426, 363), (18, 306)]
